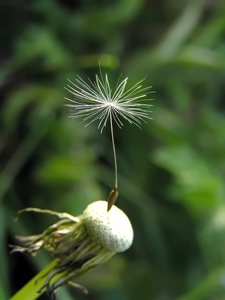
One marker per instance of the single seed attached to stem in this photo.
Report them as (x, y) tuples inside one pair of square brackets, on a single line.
[(94, 101)]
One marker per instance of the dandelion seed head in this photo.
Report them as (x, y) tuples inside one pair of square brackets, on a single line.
[(95, 102)]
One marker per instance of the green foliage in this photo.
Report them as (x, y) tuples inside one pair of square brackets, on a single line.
[(171, 173)]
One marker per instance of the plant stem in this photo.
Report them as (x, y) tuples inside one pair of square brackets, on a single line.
[(114, 193), (114, 152), (30, 290)]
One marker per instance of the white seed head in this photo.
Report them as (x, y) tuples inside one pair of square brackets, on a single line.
[(95, 101), (111, 229)]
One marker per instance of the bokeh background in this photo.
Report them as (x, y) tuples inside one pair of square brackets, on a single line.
[(171, 172)]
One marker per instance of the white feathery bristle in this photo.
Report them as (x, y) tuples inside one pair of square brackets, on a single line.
[(112, 229)]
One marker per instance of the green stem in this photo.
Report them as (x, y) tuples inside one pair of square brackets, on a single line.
[(114, 193), (30, 290)]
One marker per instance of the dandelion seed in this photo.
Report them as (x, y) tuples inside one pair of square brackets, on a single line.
[(95, 102)]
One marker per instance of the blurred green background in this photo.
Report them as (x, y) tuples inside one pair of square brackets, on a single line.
[(171, 173)]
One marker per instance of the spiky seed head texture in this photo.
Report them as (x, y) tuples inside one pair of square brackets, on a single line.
[(112, 229), (95, 101)]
